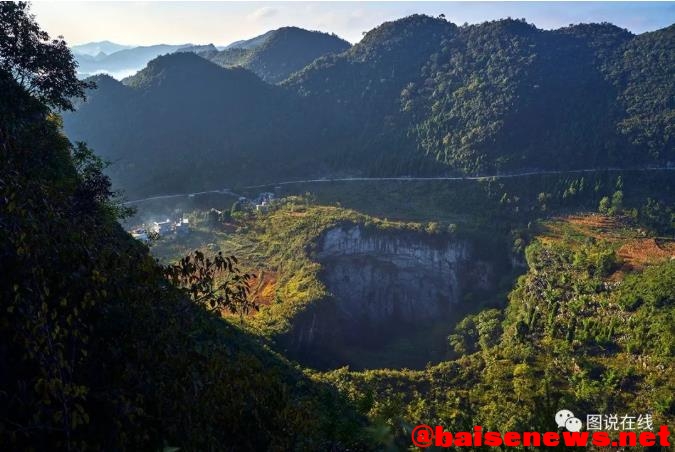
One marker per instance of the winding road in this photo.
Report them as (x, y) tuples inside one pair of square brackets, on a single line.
[(227, 191)]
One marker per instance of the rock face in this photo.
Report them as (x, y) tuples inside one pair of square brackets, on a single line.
[(383, 283), (379, 277)]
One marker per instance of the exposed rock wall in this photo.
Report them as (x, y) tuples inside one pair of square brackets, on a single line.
[(384, 276), (382, 283)]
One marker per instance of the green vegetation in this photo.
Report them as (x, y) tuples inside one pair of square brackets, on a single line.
[(418, 96), (98, 350), (570, 337), (103, 348), (281, 242), (221, 114), (278, 53)]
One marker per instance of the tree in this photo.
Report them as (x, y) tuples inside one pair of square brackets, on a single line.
[(617, 202), (605, 205), (216, 283), (657, 216), (44, 68)]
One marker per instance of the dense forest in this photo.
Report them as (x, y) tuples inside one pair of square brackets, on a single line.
[(103, 347), (98, 350), (417, 96), (278, 53)]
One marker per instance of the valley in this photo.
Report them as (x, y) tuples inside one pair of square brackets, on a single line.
[(293, 242), (405, 312), (386, 288)]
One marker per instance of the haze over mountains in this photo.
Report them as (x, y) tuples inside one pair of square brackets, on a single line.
[(417, 96), (273, 55), (122, 62), (96, 48)]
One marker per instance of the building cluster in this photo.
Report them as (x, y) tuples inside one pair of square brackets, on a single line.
[(261, 203), (165, 228)]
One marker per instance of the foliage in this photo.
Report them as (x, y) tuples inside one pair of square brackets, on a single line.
[(571, 338), (281, 52), (43, 67), (99, 350), (216, 283), (416, 96)]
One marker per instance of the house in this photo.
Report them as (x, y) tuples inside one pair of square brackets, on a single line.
[(262, 207), (140, 234), (162, 227), (182, 226)]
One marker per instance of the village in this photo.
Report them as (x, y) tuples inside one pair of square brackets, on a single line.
[(179, 225)]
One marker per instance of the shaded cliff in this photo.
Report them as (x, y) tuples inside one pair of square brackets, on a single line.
[(389, 291)]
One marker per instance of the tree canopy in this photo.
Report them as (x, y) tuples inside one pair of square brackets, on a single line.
[(44, 67)]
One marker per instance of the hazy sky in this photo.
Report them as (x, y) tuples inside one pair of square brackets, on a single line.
[(142, 23)]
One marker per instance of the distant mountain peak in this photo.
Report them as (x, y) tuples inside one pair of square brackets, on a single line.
[(275, 55), (182, 68), (96, 48)]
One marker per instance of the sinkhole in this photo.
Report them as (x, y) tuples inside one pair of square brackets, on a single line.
[(395, 295)]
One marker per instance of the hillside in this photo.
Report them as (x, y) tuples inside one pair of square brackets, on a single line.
[(571, 336), (250, 43), (99, 350), (277, 54), (586, 326), (336, 315), (184, 121), (417, 96), (504, 95)]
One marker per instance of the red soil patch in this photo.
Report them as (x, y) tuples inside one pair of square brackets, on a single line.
[(593, 221), (263, 290), (264, 287), (641, 252)]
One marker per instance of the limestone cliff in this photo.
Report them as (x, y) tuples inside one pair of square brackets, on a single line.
[(383, 282)]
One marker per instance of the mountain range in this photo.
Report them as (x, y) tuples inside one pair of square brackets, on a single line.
[(96, 48), (273, 55), (277, 54), (419, 95), (121, 62)]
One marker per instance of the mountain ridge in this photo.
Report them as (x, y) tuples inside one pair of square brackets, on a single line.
[(278, 53), (422, 96)]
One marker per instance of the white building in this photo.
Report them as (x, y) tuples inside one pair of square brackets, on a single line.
[(162, 227), (182, 226), (140, 234)]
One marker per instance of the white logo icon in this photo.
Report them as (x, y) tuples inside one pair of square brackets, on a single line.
[(573, 424), (565, 418), (562, 416)]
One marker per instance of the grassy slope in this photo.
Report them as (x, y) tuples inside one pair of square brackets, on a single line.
[(99, 352)]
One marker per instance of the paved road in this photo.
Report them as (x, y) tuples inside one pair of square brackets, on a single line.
[(402, 178), (222, 191)]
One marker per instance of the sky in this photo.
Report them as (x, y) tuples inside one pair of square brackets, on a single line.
[(220, 23)]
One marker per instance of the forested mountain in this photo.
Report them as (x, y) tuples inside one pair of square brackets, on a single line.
[(98, 350), (507, 95), (418, 95), (276, 54), (182, 118), (249, 43)]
